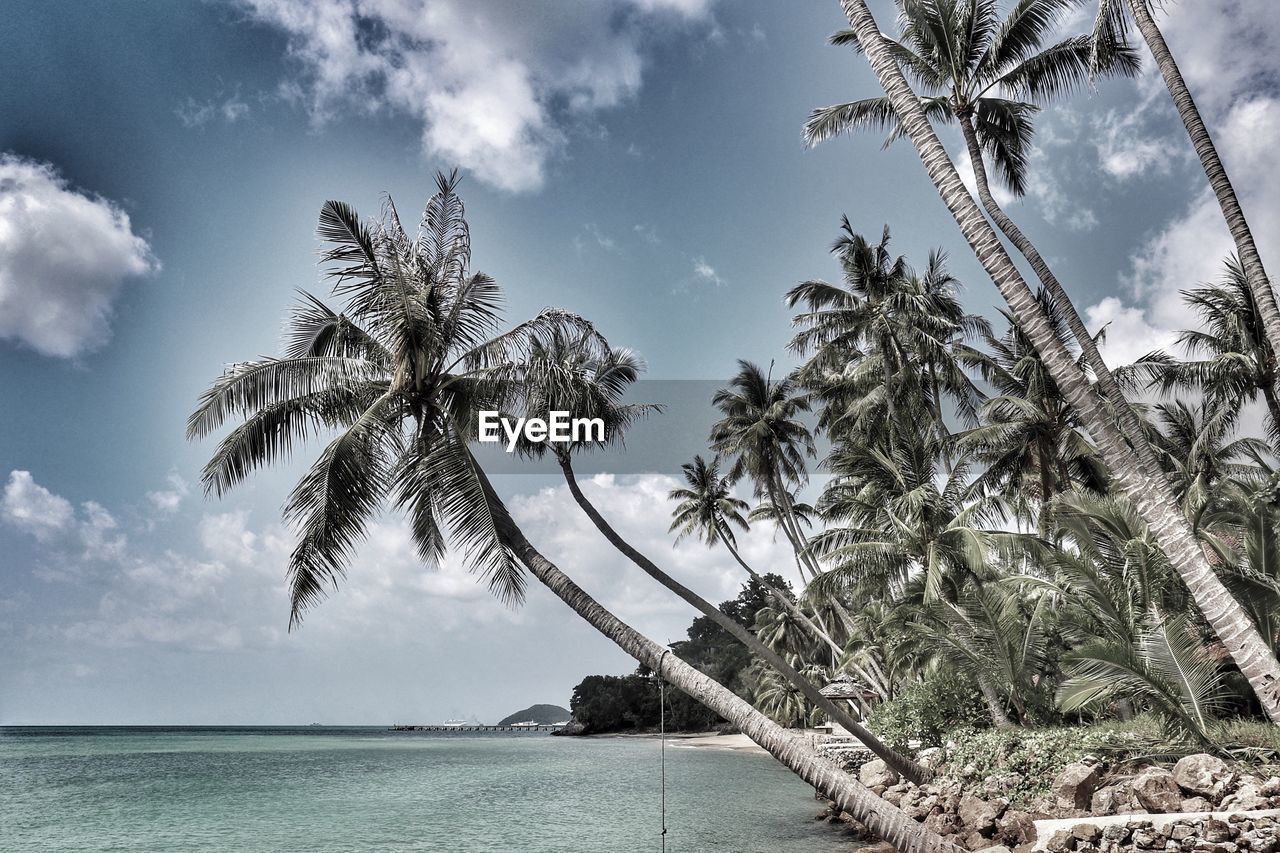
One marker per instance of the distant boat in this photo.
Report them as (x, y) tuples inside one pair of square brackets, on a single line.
[(454, 724), (526, 724), (314, 726)]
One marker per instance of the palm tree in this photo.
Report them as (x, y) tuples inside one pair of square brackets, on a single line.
[(563, 373), (1152, 496), (1030, 443), (400, 376), (886, 336), (966, 59), (708, 509), (761, 432), (1232, 362), (1110, 25), (1200, 452)]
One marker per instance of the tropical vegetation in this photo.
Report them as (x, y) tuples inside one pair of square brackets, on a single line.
[(987, 526)]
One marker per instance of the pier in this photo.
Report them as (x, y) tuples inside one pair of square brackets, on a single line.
[(547, 727)]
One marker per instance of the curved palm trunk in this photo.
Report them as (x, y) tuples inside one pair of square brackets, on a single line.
[(781, 597), (1152, 498), (904, 765), (1214, 170), (875, 682), (791, 750)]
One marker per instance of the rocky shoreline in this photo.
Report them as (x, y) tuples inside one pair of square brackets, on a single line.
[(1209, 805)]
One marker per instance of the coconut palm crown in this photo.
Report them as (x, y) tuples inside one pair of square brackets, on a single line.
[(397, 378), (970, 65)]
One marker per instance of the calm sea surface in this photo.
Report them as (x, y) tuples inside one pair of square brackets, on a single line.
[(356, 790)]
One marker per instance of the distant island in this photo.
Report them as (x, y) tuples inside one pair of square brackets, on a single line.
[(542, 714)]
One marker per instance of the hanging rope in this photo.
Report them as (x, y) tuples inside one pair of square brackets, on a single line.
[(662, 741)]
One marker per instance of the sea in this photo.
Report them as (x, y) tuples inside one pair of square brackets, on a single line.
[(353, 790)]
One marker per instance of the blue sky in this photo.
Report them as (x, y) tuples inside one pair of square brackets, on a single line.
[(638, 161)]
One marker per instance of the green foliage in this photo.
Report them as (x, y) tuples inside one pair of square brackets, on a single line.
[(1036, 755), (613, 703), (926, 711)]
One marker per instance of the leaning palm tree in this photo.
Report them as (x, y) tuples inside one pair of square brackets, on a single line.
[(569, 374), (1109, 27), (1150, 493), (399, 375), (762, 433)]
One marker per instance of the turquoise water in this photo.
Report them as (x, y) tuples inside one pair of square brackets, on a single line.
[(357, 790)]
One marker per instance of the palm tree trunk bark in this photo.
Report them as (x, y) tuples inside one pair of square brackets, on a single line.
[(1152, 498), (787, 604), (904, 765), (786, 520), (793, 751), (994, 706), (1259, 283)]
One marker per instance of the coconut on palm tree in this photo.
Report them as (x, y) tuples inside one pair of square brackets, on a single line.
[(1150, 494), (398, 377)]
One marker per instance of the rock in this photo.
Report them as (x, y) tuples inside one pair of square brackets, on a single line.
[(1146, 839), (1199, 773), (1086, 832), (994, 848), (876, 772), (1248, 797), (1180, 831), (1074, 786), (1016, 827), (1196, 804), (1104, 801), (1157, 791), (1061, 841), (980, 815), (1271, 788), (1216, 831)]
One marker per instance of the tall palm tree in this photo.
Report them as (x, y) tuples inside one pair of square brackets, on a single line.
[(1230, 360), (1109, 26), (1151, 495), (762, 433), (399, 376), (962, 54), (563, 373)]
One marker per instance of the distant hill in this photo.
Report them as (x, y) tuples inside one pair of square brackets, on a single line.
[(537, 713)]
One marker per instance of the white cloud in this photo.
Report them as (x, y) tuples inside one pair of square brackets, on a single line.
[(648, 233), (64, 256), (52, 520), (227, 536), (492, 90), (168, 500), (1129, 334), (31, 507), (591, 231), (1226, 53), (193, 113), (705, 273)]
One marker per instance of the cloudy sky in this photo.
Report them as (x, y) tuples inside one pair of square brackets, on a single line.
[(639, 161)]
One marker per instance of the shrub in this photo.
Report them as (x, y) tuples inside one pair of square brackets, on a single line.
[(926, 711), (1035, 756)]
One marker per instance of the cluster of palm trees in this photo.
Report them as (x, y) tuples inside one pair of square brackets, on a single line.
[(995, 504)]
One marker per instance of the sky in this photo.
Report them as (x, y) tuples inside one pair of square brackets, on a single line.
[(637, 161)]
